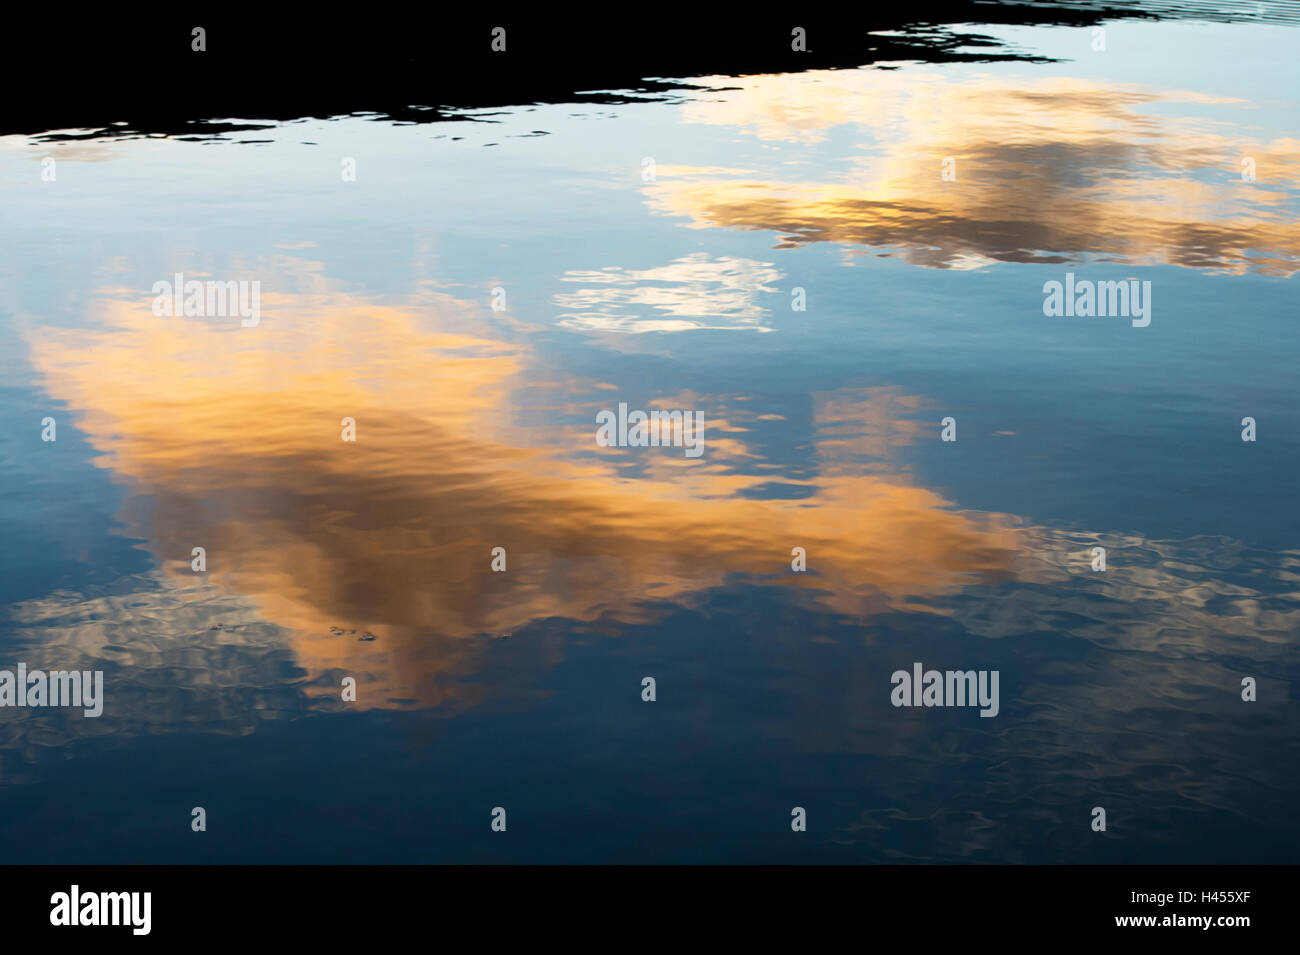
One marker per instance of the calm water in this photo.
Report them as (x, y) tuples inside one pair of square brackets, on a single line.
[(650, 253)]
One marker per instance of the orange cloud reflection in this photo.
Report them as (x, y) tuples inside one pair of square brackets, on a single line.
[(229, 439), (1047, 170)]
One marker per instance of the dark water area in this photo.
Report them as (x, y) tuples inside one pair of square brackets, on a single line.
[(842, 260)]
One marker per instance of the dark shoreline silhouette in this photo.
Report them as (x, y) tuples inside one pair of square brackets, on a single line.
[(113, 78)]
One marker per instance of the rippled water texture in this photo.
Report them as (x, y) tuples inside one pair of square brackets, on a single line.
[(652, 252)]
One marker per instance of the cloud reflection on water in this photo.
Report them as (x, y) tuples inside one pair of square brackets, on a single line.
[(1047, 170)]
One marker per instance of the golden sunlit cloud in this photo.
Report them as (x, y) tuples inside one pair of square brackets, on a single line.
[(1045, 170), (230, 439)]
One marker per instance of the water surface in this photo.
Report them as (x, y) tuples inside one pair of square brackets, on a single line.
[(650, 251)]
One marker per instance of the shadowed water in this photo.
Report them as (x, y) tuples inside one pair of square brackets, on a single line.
[(650, 252)]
